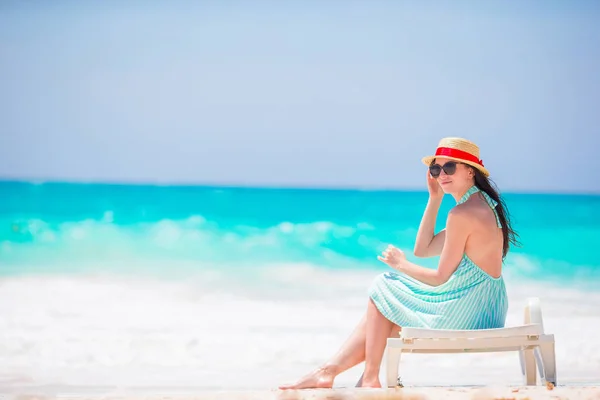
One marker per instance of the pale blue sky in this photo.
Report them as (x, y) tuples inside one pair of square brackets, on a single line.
[(318, 93)]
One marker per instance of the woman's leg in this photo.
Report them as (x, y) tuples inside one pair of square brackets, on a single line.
[(349, 355), (377, 331), (393, 334)]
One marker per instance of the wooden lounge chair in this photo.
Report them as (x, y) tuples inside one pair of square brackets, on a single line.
[(534, 346)]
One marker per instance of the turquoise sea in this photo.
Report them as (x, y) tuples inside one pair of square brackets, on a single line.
[(63, 227), (114, 284)]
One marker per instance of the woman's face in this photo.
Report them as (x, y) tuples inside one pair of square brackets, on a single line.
[(453, 176)]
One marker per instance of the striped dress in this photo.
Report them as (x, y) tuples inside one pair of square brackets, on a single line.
[(470, 299)]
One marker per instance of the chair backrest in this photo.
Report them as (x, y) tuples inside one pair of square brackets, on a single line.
[(533, 312)]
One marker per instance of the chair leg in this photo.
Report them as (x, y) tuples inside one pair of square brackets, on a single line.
[(539, 362), (548, 356), (392, 366), (527, 358)]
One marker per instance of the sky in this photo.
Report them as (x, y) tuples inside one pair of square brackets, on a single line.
[(299, 93)]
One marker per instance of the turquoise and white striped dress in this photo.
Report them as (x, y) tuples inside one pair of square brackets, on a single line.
[(470, 299)]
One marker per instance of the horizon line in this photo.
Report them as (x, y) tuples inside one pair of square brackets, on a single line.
[(268, 186)]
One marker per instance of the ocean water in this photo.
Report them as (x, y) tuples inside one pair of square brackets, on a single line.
[(131, 287)]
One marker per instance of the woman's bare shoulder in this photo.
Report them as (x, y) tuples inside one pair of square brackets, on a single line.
[(469, 211), (461, 215), (472, 211)]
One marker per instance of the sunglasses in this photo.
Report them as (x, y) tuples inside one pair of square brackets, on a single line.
[(449, 168)]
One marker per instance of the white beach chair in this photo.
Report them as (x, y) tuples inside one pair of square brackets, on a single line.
[(528, 339)]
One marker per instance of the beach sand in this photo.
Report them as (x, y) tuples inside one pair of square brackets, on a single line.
[(416, 393)]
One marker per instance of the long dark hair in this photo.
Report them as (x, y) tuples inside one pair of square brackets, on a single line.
[(508, 233)]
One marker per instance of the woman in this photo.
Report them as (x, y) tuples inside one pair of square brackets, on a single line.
[(466, 291)]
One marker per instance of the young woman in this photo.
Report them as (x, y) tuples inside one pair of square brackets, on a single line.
[(466, 291)]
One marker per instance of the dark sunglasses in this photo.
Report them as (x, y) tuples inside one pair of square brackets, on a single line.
[(449, 168)]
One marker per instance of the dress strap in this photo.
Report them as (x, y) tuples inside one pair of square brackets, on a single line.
[(491, 202)]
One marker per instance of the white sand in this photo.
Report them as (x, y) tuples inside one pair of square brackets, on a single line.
[(117, 339), (417, 393)]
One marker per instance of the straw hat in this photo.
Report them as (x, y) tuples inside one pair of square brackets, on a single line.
[(458, 149)]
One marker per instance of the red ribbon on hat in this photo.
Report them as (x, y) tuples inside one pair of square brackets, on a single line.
[(456, 153)]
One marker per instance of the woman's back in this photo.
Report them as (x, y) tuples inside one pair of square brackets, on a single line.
[(484, 245)]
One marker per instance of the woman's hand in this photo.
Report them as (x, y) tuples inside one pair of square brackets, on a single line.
[(393, 257), (435, 190)]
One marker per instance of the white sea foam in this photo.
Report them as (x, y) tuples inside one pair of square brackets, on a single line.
[(217, 330)]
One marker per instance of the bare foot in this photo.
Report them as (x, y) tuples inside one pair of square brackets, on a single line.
[(370, 383), (320, 378)]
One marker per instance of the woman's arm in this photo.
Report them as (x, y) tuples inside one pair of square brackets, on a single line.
[(428, 244), (457, 232)]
